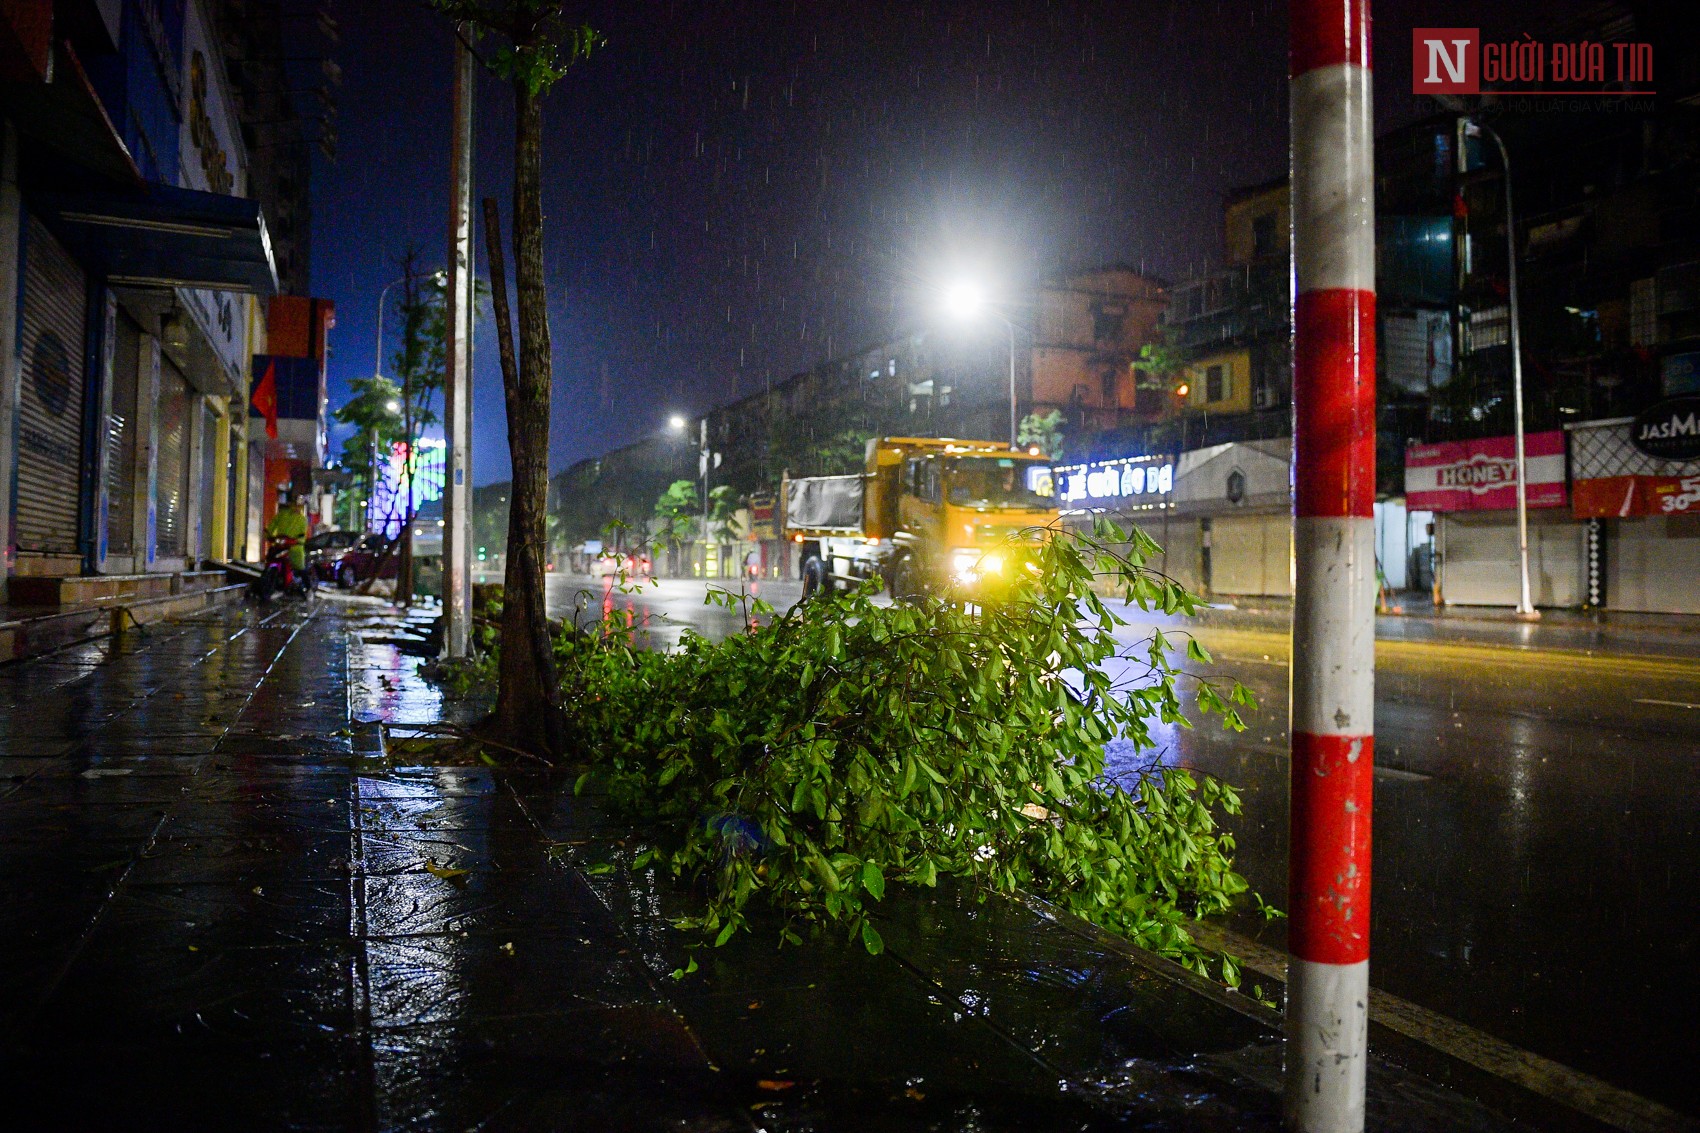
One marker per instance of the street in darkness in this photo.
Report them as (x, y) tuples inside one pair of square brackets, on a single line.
[(555, 561)]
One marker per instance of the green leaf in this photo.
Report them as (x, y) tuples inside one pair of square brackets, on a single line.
[(873, 880), (871, 939)]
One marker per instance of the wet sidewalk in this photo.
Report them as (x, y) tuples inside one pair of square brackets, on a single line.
[(227, 909)]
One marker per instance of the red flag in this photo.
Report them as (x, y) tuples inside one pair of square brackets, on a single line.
[(265, 398)]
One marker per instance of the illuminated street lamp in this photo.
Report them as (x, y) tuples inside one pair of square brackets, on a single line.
[(676, 423), (965, 301)]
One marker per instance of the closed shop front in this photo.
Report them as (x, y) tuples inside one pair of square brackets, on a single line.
[(1251, 555), (211, 483), (1471, 486), (1653, 564), (50, 402), (171, 476), (122, 429), (1479, 558), (1236, 498), (1183, 543), (1645, 492)]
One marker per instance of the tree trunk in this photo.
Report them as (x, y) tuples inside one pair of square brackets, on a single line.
[(527, 714)]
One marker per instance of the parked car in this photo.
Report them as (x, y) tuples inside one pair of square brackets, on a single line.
[(360, 561), (324, 550)]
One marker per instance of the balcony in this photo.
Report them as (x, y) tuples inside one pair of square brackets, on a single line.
[(1239, 303)]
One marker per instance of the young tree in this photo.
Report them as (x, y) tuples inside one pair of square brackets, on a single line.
[(419, 367), (535, 43), (723, 514), (677, 509), (387, 411), (1044, 430), (376, 425)]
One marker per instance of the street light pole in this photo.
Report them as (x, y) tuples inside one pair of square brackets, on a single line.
[(457, 394), (378, 352), (1012, 430), (1525, 605)]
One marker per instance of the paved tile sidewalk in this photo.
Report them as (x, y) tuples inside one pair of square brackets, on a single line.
[(226, 912)]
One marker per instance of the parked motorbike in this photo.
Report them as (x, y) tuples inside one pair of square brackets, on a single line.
[(279, 574)]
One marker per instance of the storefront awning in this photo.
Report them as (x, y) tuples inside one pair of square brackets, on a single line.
[(161, 236)]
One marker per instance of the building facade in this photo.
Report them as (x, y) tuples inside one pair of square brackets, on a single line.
[(139, 271)]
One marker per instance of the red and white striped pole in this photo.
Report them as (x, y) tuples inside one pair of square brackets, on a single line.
[(1333, 689)]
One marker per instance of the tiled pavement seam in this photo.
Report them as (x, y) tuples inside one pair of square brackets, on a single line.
[(171, 956)]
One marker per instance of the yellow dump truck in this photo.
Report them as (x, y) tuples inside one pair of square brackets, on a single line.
[(928, 514)]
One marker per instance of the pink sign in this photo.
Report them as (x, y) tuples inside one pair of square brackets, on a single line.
[(1482, 475)]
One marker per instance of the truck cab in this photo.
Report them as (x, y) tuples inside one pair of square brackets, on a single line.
[(934, 514)]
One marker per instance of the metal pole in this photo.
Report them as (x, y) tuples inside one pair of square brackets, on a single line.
[(378, 352), (702, 461), (457, 399), (1012, 429), (1525, 605), (1333, 670)]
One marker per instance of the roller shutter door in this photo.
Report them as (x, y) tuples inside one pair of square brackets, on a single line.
[(1251, 555), (1182, 542), (1480, 559), (1653, 564), (121, 439), (171, 483), (50, 402)]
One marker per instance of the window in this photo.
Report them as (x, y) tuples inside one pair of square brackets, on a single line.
[(1108, 379), (1488, 328), (1263, 234), (1643, 312), (1107, 322), (921, 479), (1216, 384), (990, 482)]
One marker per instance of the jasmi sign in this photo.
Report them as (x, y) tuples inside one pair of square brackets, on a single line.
[(1669, 430)]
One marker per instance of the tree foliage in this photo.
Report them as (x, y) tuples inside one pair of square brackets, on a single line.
[(678, 508), (845, 746), (1044, 430)]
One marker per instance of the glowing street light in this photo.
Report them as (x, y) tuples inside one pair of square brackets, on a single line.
[(393, 405), (964, 300), (676, 423)]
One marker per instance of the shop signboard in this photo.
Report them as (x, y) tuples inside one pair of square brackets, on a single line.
[(1642, 466), (1669, 430), (1481, 475), (1129, 482)]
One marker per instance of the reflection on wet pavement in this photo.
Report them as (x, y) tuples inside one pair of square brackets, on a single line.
[(231, 913)]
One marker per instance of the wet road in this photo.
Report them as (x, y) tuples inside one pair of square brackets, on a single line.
[(1537, 846)]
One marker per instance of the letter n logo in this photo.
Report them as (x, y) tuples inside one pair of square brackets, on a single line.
[(1446, 60)]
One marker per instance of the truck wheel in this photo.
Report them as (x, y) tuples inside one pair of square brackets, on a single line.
[(814, 576)]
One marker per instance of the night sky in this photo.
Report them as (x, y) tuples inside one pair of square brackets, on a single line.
[(735, 192)]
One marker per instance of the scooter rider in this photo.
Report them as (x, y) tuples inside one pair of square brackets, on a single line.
[(290, 522)]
